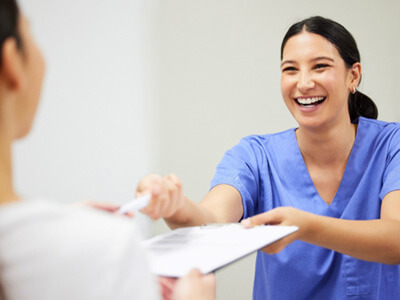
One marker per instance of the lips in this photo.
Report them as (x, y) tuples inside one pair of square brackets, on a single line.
[(309, 101)]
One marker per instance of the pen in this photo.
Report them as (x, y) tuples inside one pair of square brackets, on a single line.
[(135, 204)]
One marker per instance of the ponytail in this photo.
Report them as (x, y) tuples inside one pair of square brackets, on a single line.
[(360, 105)]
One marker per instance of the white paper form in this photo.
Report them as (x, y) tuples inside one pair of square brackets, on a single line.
[(209, 247)]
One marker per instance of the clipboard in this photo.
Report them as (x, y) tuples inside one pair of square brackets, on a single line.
[(208, 247)]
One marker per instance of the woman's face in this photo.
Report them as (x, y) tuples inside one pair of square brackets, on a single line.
[(33, 72), (315, 81)]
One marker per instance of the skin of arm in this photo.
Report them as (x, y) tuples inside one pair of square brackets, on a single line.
[(370, 240), (222, 204)]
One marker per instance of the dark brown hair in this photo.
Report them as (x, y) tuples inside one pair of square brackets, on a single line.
[(9, 15)]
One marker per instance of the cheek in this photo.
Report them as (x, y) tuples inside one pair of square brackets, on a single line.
[(286, 90), (285, 86), (38, 61), (334, 83), (37, 72)]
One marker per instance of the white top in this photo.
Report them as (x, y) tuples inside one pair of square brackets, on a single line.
[(49, 251)]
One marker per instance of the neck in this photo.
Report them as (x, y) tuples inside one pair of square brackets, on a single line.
[(7, 133), (327, 146), (7, 193)]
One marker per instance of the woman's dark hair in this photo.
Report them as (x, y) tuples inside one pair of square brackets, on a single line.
[(359, 103), (9, 14)]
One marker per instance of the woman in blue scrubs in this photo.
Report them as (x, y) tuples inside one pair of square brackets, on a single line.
[(336, 177)]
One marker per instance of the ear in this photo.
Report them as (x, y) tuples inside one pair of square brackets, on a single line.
[(12, 64), (354, 76)]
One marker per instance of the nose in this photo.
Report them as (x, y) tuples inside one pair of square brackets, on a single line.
[(305, 82)]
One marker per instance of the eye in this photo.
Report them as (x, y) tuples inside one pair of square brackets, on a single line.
[(321, 66), (288, 69)]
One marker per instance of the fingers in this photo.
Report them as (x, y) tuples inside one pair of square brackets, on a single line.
[(167, 286), (175, 192), (278, 216), (166, 195), (195, 286), (104, 206), (211, 283), (194, 274), (208, 280), (271, 217), (149, 185)]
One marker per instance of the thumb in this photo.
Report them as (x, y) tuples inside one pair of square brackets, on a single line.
[(261, 219)]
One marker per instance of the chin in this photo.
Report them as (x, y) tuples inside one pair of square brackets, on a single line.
[(310, 123)]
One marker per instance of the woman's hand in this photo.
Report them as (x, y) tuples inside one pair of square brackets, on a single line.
[(166, 195), (195, 286), (167, 285), (104, 206), (282, 216)]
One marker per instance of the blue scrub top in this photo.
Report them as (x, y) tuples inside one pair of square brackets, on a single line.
[(269, 171)]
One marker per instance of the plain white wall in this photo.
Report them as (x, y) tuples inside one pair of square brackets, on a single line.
[(169, 86), (219, 81), (93, 137)]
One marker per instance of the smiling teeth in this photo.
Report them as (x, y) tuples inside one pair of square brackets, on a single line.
[(311, 100)]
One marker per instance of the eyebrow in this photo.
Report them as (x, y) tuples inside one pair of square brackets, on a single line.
[(313, 60)]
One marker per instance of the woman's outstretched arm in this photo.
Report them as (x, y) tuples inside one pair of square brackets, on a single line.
[(370, 240)]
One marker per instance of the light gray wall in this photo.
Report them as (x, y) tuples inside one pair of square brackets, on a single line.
[(92, 138), (169, 85), (219, 81)]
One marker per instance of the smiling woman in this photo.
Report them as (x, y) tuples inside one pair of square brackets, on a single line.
[(338, 37), (315, 81), (336, 176)]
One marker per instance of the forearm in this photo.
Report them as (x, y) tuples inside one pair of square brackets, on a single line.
[(372, 240), (190, 214), (223, 204)]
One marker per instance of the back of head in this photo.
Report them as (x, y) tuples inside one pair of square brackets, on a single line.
[(359, 103), (9, 14)]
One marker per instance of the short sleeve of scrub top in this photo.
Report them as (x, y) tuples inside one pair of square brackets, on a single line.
[(391, 175), (240, 169)]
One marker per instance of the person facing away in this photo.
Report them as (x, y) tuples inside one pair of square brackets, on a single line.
[(336, 176), (49, 251)]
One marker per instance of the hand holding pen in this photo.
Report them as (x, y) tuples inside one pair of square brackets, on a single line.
[(166, 195)]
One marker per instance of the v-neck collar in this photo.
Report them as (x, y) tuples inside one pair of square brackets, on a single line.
[(307, 192)]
